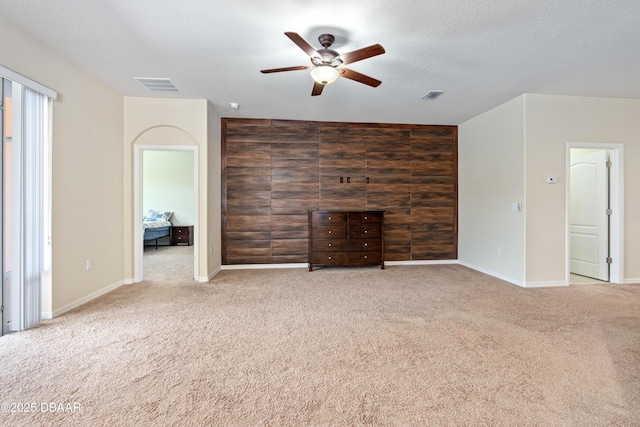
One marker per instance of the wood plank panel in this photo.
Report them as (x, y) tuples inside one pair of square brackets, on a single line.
[(434, 195), (390, 198), (293, 206), (269, 137), (289, 226), (294, 191), (429, 215), (247, 171), (342, 196), (310, 165), (293, 248), (433, 233), (434, 132), (342, 154), (397, 238), (255, 182), (260, 223), (248, 235)]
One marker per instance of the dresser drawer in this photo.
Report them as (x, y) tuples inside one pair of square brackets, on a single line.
[(329, 258), (365, 217), (182, 234), (323, 217), (364, 231), (363, 245), (329, 245), (336, 231), (364, 258)]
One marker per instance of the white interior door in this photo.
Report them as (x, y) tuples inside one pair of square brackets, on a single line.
[(588, 217)]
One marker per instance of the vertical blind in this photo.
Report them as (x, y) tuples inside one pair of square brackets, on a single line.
[(30, 178), (32, 215)]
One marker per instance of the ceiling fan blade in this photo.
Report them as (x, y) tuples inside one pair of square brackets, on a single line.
[(360, 54), (278, 70), (302, 44), (359, 77), (317, 89)]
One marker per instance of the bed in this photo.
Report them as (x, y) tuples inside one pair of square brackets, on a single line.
[(156, 225)]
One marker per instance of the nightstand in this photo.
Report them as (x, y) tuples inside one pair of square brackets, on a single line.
[(182, 234)]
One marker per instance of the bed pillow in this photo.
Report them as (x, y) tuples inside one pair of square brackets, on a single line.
[(153, 216)]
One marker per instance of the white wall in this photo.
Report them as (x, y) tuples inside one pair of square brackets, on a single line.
[(86, 171), (167, 181), (505, 156), (214, 192), (552, 121), (490, 180)]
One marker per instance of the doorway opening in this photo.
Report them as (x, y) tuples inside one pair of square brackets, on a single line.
[(155, 164), (594, 213)]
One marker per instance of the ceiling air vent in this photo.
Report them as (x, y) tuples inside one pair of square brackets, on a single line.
[(433, 94), (157, 85)]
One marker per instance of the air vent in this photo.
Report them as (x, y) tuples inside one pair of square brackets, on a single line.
[(157, 85), (433, 94)]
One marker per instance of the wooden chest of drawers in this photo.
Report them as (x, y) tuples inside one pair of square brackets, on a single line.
[(346, 238), (182, 234)]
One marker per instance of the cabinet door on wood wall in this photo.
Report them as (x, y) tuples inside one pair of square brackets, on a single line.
[(294, 191), (434, 194), (342, 156), (248, 200), (389, 187)]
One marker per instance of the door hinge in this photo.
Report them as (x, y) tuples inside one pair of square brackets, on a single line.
[(609, 163), (609, 260), (609, 211)]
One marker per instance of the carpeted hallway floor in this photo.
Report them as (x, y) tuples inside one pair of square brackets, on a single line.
[(410, 346)]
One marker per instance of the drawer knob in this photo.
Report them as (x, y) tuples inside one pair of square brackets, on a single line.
[(329, 231), (365, 257), (329, 244), (366, 217), (330, 218), (330, 257), (366, 244), (365, 231)]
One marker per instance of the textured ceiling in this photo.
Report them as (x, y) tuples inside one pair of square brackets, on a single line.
[(480, 52)]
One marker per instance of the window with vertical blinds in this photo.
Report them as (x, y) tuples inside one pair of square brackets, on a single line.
[(25, 198)]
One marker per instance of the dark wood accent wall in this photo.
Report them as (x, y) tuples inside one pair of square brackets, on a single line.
[(275, 171)]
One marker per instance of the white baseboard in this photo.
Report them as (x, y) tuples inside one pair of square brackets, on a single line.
[(545, 284), (552, 284), (263, 266), (211, 276), (306, 265), (129, 281), (493, 274), (423, 262), (631, 281), (84, 300)]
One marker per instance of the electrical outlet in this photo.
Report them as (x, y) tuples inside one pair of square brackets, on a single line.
[(552, 180), (88, 264)]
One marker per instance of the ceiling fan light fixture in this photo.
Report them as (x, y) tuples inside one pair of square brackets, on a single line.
[(325, 74)]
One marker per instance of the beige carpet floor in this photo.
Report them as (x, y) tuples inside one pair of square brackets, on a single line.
[(405, 346)]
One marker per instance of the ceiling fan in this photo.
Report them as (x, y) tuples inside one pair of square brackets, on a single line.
[(325, 62)]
